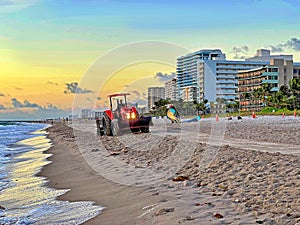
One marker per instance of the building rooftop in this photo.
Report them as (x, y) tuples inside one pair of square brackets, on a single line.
[(213, 53), (265, 55)]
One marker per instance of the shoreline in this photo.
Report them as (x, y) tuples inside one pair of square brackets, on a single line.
[(68, 170)]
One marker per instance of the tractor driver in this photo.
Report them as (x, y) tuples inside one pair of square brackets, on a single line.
[(120, 104)]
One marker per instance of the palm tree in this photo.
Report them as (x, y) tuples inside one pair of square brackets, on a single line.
[(266, 92), (295, 90), (220, 100), (256, 95), (186, 107), (284, 89)]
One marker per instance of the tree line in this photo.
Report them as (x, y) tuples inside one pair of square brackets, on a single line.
[(286, 97)]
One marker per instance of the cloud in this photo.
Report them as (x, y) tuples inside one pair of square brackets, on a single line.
[(52, 83), (2, 107), (276, 48), (240, 52), (25, 104), (2, 95), (292, 44), (30, 105), (51, 107), (72, 88), (164, 77), (16, 103), (31, 111), (33, 114)]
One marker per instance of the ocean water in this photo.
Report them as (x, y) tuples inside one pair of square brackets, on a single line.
[(25, 197)]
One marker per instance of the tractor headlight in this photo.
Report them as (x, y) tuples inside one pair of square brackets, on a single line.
[(133, 116), (128, 115)]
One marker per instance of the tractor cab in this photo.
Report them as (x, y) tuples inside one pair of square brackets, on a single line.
[(120, 108), (117, 100)]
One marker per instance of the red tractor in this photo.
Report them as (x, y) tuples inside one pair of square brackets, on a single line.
[(120, 118)]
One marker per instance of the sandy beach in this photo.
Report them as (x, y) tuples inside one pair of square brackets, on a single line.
[(69, 170), (230, 172)]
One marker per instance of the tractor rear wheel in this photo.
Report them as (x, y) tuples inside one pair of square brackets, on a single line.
[(99, 128), (106, 122), (115, 127)]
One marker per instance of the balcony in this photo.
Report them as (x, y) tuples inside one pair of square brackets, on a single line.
[(225, 87), (226, 77), (270, 74), (233, 82), (221, 92), (270, 81)]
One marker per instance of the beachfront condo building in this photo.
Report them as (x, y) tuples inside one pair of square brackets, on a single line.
[(206, 74), (154, 95), (171, 89), (284, 63), (253, 79), (189, 83), (278, 73), (220, 78)]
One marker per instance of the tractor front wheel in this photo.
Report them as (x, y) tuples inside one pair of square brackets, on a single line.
[(115, 127), (134, 129), (145, 129)]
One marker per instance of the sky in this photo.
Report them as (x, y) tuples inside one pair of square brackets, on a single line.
[(62, 55)]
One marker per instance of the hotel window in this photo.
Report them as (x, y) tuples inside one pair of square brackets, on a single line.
[(273, 69)]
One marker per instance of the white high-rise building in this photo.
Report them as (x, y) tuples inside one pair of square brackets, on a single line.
[(171, 89), (188, 71), (154, 95)]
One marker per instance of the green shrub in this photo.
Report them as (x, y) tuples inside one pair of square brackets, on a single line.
[(268, 110)]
